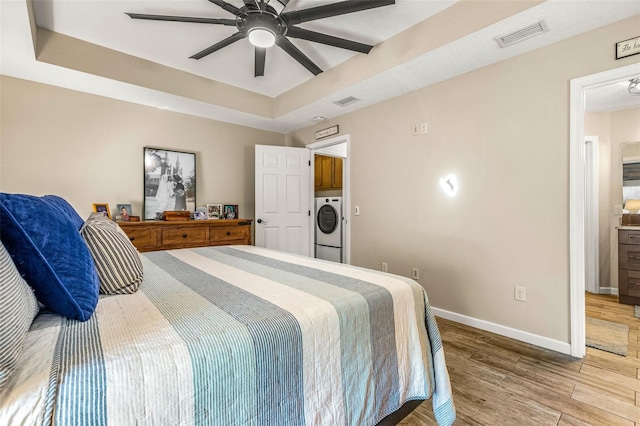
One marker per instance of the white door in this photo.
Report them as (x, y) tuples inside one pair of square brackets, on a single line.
[(283, 218), (592, 226)]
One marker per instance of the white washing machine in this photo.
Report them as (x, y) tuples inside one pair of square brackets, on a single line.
[(329, 228)]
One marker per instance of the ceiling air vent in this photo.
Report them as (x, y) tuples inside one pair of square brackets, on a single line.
[(522, 34), (346, 101)]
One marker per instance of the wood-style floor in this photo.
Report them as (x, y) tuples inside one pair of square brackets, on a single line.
[(500, 381)]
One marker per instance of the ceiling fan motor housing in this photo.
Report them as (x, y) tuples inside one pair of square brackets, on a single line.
[(261, 19)]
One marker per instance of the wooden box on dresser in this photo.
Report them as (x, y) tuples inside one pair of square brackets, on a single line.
[(629, 265), (164, 235)]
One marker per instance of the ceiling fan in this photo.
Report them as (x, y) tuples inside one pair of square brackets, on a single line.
[(264, 27)]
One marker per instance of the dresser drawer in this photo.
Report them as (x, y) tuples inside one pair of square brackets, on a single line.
[(184, 236), (629, 257), (228, 233), (629, 283), (167, 235), (626, 236), (143, 237)]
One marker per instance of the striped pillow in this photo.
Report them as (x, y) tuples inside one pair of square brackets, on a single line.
[(117, 260), (18, 307)]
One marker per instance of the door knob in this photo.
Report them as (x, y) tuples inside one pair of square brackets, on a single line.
[(262, 221)]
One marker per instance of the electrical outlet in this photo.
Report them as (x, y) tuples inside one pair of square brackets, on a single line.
[(415, 274), (423, 128), (520, 293), (415, 130), (385, 267)]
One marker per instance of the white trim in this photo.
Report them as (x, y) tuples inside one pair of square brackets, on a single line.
[(608, 290), (523, 336), (592, 224), (578, 88), (346, 190)]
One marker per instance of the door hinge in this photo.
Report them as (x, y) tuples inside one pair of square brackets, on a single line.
[(309, 213), (309, 163)]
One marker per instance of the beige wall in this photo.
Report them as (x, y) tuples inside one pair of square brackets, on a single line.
[(504, 130), (88, 148)]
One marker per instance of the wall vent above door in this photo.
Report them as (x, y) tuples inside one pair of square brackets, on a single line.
[(522, 34)]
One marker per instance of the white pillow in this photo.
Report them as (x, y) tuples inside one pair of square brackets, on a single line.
[(18, 307)]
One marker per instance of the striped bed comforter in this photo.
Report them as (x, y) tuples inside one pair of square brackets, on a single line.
[(236, 336)]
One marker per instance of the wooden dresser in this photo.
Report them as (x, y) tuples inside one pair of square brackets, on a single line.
[(163, 235), (629, 266)]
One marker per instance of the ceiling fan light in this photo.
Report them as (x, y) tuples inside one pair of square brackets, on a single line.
[(262, 37)]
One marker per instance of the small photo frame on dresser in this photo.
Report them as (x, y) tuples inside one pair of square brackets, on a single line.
[(214, 211), (200, 213), (230, 211), (123, 212), (102, 208)]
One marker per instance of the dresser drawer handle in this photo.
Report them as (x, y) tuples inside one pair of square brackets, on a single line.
[(132, 238), (228, 233), (634, 257), (634, 283), (184, 235), (633, 236)]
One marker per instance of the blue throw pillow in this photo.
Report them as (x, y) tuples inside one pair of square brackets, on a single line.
[(42, 236), (60, 203)]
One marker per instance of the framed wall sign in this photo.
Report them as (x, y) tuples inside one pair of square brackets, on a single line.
[(169, 181), (333, 130), (628, 47)]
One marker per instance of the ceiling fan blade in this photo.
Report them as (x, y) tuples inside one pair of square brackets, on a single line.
[(219, 45), (231, 22), (327, 39), (296, 54), (255, 4), (229, 7), (261, 54), (297, 16)]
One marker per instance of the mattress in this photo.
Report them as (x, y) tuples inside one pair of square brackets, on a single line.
[(236, 335)]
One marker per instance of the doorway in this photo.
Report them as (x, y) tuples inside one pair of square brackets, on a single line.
[(338, 147), (577, 195)]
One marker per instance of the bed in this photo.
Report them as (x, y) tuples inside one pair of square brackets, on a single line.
[(235, 335)]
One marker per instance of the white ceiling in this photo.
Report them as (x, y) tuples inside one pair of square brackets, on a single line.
[(171, 43), (611, 97), (103, 22)]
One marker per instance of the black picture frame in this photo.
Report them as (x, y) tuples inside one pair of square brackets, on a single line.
[(169, 181), (230, 211)]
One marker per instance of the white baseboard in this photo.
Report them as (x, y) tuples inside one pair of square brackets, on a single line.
[(523, 336), (608, 290)]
